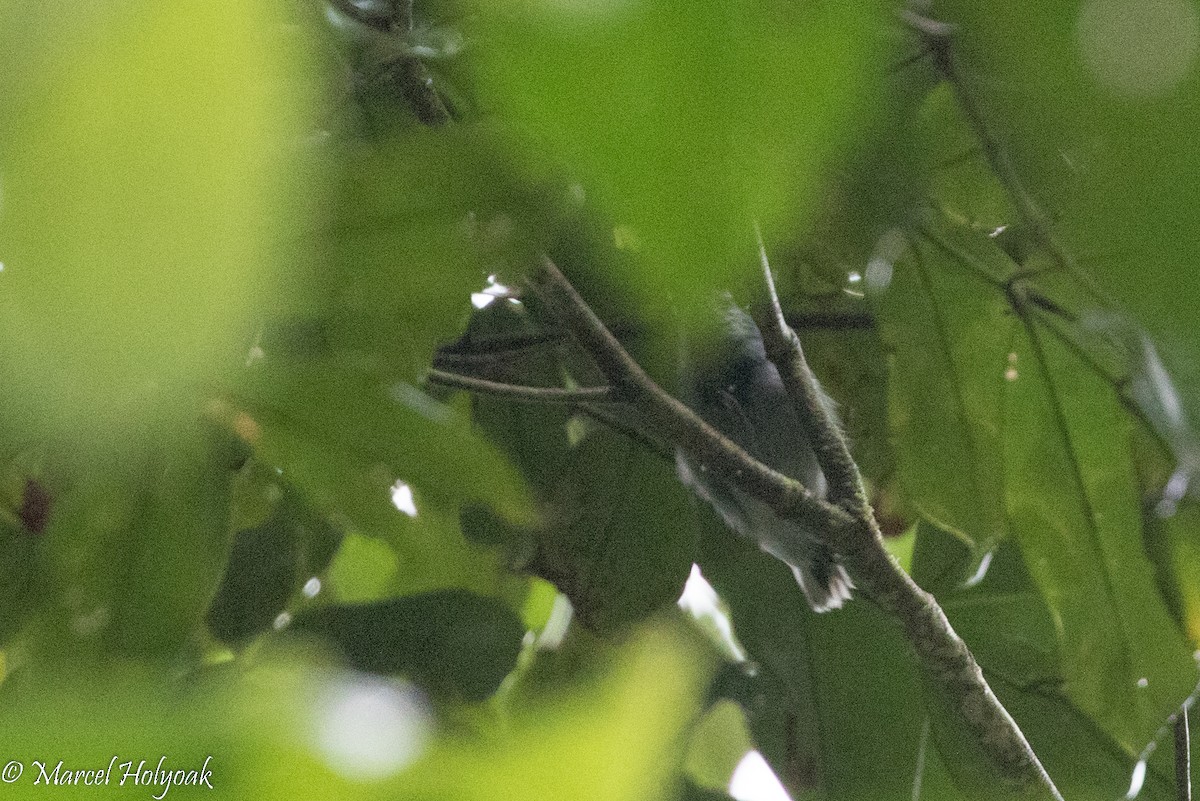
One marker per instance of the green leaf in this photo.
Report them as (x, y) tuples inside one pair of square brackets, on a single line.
[(345, 435), (718, 743), (682, 125), (960, 180), (136, 550), (1084, 761), (280, 724), (21, 564), (1074, 508), (1094, 109), (452, 642), (948, 333), (415, 227), (619, 540), (76, 716), (999, 612), (827, 684), (268, 564), (624, 727)]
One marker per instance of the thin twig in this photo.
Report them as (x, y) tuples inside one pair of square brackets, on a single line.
[(630, 428), (497, 348), (524, 394), (1183, 756)]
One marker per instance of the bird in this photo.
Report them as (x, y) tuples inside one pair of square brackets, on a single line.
[(736, 389)]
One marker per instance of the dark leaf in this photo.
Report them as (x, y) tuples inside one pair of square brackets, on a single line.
[(453, 642)]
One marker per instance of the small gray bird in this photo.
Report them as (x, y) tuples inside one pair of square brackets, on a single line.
[(737, 390)]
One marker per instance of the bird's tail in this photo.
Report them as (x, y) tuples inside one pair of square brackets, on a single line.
[(825, 583)]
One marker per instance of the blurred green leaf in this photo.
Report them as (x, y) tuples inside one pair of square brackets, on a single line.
[(21, 564), (136, 550), (631, 718), (254, 738), (143, 174), (520, 352), (682, 125), (692, 792), (267, 566), (365, 569), (718, 743), (416, 224), (279, 725), (345, 435)]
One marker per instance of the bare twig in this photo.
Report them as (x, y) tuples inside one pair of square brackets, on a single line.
[(525, 394), (495, 350), (785, 352), (630, 427)]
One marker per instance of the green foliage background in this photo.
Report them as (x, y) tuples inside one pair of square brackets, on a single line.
[(232, 246)]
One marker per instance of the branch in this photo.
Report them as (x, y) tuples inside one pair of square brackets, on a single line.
[(631, 428), (494, 350), (853, 535), (523, 394)]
